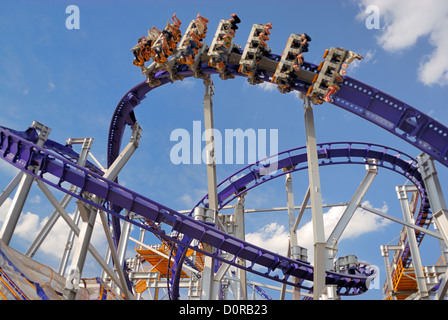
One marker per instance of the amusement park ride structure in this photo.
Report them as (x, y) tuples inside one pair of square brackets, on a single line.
[(202, 252)]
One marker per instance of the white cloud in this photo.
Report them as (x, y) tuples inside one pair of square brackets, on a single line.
[(404, 22), (275, 237), (187, 83), (272, 237), (51, 86), (4, 209), (190, 198), (30, 224), (361, 223), (267, 86), (368, 57), (35, 199), (7, 169)]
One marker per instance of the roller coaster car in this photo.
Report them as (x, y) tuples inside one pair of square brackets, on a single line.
[(167, 41), (291, 59), (331, 71), (254, 51), (143, 50), (222, 45), (192, 40)]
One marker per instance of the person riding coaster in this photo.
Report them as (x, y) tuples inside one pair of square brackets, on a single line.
[(194, 43), (167, 41), (332, 89), (197, 32), (224, 43)]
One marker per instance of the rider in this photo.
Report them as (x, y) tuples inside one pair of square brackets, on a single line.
[(234, 21), (332, 89)]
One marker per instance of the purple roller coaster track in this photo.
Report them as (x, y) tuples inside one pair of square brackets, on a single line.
[(54, 165), (367, 102)]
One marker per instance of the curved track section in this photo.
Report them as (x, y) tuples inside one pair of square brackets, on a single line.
[(331, 153), (367, 102), (295, 160), (59, 172)]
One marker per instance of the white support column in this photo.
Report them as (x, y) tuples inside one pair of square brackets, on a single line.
[(68, 245), (438, 205), (442, 244), (240, 233), (124, 238), (122, 246), (86, 145), (402, 222), (88, 216), (385, 253), (443, 287), (372, 171), (434, 189), (302, 208), (296, 248), (292, 232), (290, 206), (316, 202), (210, 145), (412, 240), (114, 254), (10, 187), (18, 202), (207, 279), (73, 226)]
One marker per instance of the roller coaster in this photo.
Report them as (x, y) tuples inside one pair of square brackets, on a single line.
[(202, 251)]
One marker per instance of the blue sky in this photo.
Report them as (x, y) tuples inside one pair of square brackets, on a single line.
[(72, 80)]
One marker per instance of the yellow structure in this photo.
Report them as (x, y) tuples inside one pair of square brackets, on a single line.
[(158, 261), (404, 281)]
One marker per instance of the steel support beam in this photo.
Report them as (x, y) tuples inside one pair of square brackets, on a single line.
[(316, 201), (18, 202), (10, 187), (292, 231), (240, 233), (402, 193), (207, 279), (118, 263), (302, 208), (73, 226), (436, 199), (404, 223), (332, 241), (438, 205), (85, 152), (35, 245), (124, 238), (385, 253), (88, 216)]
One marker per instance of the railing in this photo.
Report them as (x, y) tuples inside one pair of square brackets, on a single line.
[(441, 261), (397, 274)]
